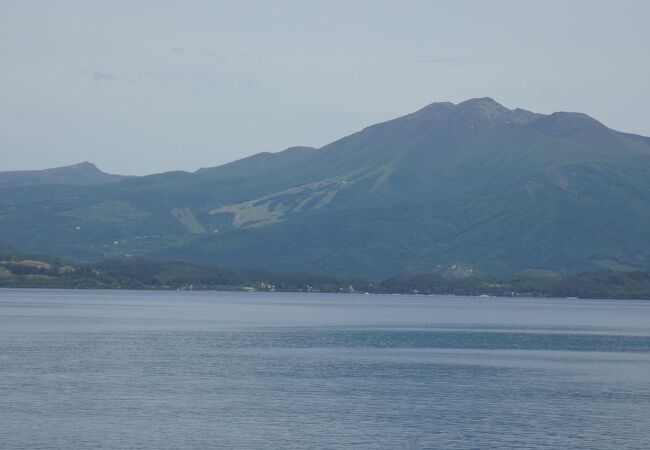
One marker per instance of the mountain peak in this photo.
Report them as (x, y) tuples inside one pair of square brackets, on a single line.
[(473, 109), (86, 166), (481, 102), (484, 106)]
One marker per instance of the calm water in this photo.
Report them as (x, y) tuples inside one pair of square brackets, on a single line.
[(91, 369)]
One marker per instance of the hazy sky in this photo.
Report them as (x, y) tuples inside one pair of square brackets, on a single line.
[(140, 87)]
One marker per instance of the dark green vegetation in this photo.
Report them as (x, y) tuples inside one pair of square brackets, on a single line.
[(468, 189), (606, 284), (21, 271), (33, 272)]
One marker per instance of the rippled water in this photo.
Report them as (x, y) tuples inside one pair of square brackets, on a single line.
[(90, 369)]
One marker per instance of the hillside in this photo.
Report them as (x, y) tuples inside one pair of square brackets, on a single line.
[(466, 189)]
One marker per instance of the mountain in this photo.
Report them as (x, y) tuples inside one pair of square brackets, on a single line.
[(82, 174), (471, 188)]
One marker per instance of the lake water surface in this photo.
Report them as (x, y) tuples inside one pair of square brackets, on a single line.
[(118, 369)]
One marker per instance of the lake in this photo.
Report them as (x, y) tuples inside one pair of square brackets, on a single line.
[(125, 369)]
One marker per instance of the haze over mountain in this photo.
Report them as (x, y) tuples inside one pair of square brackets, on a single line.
[(467, 188)]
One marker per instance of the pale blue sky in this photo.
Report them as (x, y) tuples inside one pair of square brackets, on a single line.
[(150, 86)]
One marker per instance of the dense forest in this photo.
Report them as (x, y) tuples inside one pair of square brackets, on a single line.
[(19, 271)]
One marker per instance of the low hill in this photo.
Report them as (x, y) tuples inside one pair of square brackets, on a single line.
[(81, 174)]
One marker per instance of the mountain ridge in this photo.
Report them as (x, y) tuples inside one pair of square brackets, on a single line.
[(475, 185)]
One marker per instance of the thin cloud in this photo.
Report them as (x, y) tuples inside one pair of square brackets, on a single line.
[(437, 60), (143, 75), (129, 78), (98, 76), (447, 61)]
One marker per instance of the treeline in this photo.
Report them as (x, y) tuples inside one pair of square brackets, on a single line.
[(606, 284), (38, 272)]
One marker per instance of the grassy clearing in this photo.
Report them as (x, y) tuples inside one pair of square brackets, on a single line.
[(185, 217)]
